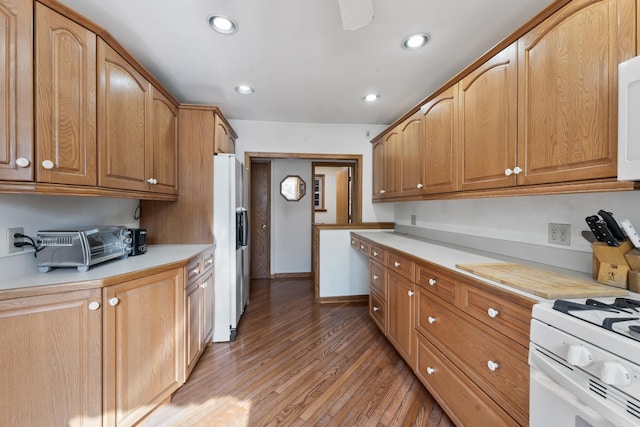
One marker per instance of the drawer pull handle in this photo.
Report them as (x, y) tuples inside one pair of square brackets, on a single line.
[(411, 293), (431, 319), (353, 242), (361, 246), (382, 191), (48, 164), (114, 301), (209, 261), (492, 365), (432, 282), (419, 186), (195, 271), (397, 264), (431, 370), (493, 313), (22, 162), (376, 308), (375, 253), (375, 277), (94, 305)]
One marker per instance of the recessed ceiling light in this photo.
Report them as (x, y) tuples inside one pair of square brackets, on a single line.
[(223, 24), (371, 97), (415, 41), (244, 89)]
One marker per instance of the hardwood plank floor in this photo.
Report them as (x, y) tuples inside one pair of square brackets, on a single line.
[(296, 363)]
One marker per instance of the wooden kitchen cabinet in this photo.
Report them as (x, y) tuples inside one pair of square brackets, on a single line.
[(143, 345), (52, 360), (162, 161), (199, 308), (392, 155), (377, 179), (440, 121), (65, 102), (225, 139), (400, 314), (411, 156), (16, 98), (487, 123), (567, 91)]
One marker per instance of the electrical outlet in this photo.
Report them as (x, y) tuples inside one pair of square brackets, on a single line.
[(11, 239), (413, 220), (559, 234)]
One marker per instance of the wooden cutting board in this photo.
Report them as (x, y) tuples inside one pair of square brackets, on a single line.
[(542, 283)]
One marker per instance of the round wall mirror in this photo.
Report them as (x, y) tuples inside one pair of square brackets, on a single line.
[(293, 188)]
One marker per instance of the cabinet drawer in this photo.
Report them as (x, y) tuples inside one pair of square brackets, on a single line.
[(378, 278), (377, 253), (377, 310), (401, 265), (494, 362), (461, 399), (194, 268), (355, 243), (208, 260), (505, 312), (437, 282)]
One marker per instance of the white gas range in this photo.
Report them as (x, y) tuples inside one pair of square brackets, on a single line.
[(585, 363)]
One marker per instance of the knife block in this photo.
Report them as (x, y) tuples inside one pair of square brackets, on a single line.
[(610, 265)]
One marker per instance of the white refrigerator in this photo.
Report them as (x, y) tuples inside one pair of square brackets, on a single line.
[(230, 230)]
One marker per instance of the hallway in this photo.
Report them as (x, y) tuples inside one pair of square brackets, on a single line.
[(296, 363)]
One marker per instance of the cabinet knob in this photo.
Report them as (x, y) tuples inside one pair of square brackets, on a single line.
[(47, 164), (382, 191), (411, 293), (375, 253), (195, 271), (397, 264), (419, 186), (361, 246), (114, 301), (431, 319), (209, 261), (152, 181), (517, 170), (204, 285), (353, 242), (432, 282), (492, 365), (431, 370), (508, 172), (94, 305), (376, 308), (375, 277), (22, 162), (493, 313)]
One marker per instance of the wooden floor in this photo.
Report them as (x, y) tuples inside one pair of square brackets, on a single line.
[(296, 363)]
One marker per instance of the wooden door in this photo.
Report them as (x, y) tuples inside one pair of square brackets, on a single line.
[(412, 157), (164, 144), (392, 161), (65, 67), (123, 118), (144, 345), (400, 309), (16, 96), (378, 170), (487, 128), (51, 355), (567, 99), (440, 121), (260, 222), (343, 183)]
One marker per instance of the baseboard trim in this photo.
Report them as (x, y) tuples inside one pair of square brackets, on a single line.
[(304, 275), (344, 299)]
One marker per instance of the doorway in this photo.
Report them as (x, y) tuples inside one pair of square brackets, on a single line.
[(260, 226), (334, 184)]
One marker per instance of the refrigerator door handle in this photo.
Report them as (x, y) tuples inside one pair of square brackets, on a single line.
[(242, 228)]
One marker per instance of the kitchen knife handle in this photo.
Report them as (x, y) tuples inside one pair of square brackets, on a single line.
[(612, 225), (591, 222), (606, 233)]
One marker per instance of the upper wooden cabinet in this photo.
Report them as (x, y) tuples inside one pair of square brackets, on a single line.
[(65, 64), (225, 139), (16, 97), (487, 129), (163, 159), (567, 91), (378, 170), (411, 157), (440, 121), (392, 157)]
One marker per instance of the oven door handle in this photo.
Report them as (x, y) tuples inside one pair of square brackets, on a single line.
[(550, 369)]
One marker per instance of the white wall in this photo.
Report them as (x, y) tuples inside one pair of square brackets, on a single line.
[(35, 213), (328, 217)]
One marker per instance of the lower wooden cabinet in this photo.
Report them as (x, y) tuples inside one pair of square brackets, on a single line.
[(199, 308), (51, 360), (143, 345), (400, 314)]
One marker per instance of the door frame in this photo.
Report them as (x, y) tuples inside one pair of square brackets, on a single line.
[(356, 187)]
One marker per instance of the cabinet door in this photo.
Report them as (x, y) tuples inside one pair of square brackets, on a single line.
[(207, 311), (487, 129), (378, 170), (392, 159), (567, 100), (65, 66), (225, 142), (123, 115), (440, 143), (164, 145), (412, 157), (144, 345), (16, 97), (400, 309), (51, 358), (194, 306)]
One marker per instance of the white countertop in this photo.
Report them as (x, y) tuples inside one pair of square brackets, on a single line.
[(448, 256), (157, 255)]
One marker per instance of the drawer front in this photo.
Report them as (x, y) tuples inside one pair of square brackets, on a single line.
[(208, 260), (461, 399), (401, 265), (355, 243), (377, 253), (493, 361), (378, 278), (511, 317), (360, 245), (436, 282), (195, 268), (377, 310)]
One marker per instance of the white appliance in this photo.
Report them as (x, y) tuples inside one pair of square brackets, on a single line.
[(230, 229), (628, 123), (584, 358)]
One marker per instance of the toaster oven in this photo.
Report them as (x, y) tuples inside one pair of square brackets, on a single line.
[(82, 247)]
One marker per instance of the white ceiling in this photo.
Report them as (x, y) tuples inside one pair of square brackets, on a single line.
[(295, 53)]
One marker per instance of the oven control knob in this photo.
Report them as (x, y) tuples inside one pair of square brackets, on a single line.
[(579, 356), (613, 373)]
